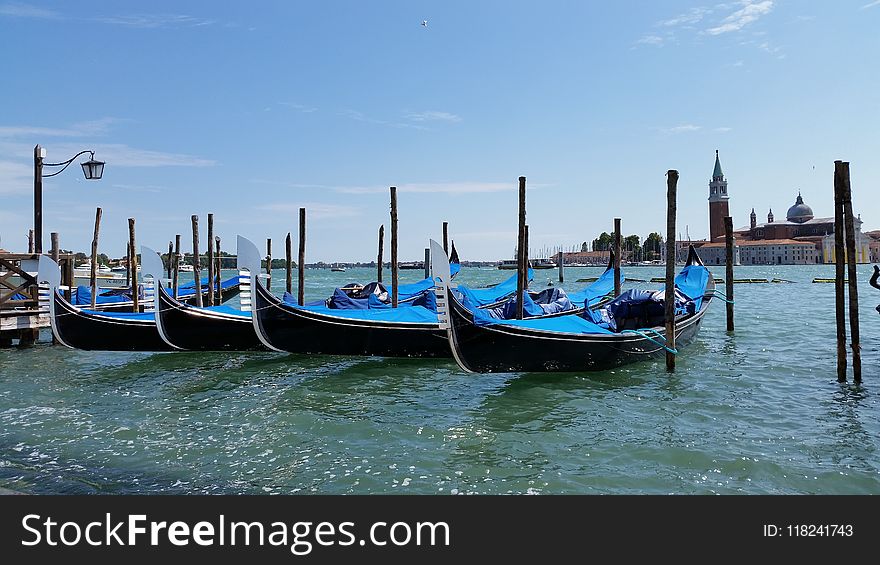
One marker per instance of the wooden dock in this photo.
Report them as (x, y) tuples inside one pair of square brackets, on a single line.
[(21, 315)]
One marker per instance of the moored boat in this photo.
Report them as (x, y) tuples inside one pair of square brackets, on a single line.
[(622, 332), (187, 327)]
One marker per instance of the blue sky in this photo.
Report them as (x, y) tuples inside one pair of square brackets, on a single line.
[(251, 111)]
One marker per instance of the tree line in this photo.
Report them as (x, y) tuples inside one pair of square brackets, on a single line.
[(632, 245)]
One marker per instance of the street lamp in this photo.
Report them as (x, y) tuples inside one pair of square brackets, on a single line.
[(93, 170)]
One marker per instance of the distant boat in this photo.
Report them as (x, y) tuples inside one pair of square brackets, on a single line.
[(185, 268), (535, 264), (337, 268)]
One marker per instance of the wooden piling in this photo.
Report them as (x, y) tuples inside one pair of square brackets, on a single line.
[(169, 268), (269, 262), (211, 259), (445, 238), (31, 242), (728, 278), (427, 263), (127, 264), (56, 250), (560, 262), (521, 267), (134, 276), (841, 172), (175, 274), (93, 270), (301, 259), (288, 264), (197, 266), (617, 257), (839, 268), (219, 291), (394, 266), (379, 258), (67, 276), (671, 188)]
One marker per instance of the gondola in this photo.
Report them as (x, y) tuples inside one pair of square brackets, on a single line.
[(192, 328), (409, 331), (102, 331), (567, 343)]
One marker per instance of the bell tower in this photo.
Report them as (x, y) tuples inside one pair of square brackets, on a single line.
[(718, 202)]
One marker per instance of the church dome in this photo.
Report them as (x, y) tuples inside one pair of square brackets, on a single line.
[(800, 212)]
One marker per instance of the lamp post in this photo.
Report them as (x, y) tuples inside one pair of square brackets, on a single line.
[(93, 170)]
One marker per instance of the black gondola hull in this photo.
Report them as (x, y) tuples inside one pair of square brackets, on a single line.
[(197, 329), (504, 349), (84, 330), (301, 331)]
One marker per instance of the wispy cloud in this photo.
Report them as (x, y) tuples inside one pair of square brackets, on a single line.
[(870, 5), (83, 129), (151, 21), (689, 18), (18, 10), (119, 155), (683, 128), (432, 116), (299, 107), (750, 12), (16, 177), (361, 117), (722, 130), (438, 187), (315, 210), (651, 40)]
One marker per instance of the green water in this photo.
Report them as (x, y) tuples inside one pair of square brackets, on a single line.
[(755, 412)]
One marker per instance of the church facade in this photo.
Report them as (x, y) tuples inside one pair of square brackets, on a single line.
[(800, 239)]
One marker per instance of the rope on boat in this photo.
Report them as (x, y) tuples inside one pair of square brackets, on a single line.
[(720, 296), (651, 339)]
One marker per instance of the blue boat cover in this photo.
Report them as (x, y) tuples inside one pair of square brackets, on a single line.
[(692, 281), (561, 324), (595, 290), (479, 297), (122, 315), (83, 296), (409, 314)]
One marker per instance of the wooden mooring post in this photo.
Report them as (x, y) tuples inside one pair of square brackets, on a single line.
[(93, 270), (839, 275), (671, 188), (521, 252), (127, 264), (427, 263), (617, 257), (841, 172), (56, 250), (197, 265), (219, 292), (728, 277), (170, 266), (301, 260), (175, 275), (288, 264), (379, 259), (445, 238), (135, 301), (560, 262), (211, 259), (31, 242), (268, 262), (394, 265)]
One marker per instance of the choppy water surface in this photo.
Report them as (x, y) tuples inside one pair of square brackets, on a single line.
[(755, 412)]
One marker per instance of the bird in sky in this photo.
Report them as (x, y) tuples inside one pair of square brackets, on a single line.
[(425, 23)]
